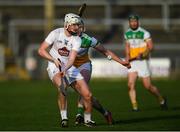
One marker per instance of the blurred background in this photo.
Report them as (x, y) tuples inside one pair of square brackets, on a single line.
[(24, 24)]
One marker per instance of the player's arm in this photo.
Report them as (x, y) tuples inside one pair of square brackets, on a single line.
[(110, 55), (71, 59), (42, 51), (149, 43), (70, 62)]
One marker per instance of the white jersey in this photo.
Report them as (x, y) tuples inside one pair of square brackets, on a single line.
[(61, 48), (62, 44)]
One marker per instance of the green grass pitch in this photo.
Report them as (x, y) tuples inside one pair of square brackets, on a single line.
[(32, 105)]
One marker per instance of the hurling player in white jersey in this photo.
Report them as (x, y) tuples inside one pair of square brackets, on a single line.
[(138, 47), (83, 63), (64, 44)]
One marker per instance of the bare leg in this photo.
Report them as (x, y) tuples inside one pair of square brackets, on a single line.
[(62, 101), (95, 103), (152, 89), (83, 90), (86, 95), (86, 74), (132, 76)]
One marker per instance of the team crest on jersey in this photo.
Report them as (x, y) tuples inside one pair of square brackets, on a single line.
[(63, 51)]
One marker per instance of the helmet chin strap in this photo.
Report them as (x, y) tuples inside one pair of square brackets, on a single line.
[(71, 32)]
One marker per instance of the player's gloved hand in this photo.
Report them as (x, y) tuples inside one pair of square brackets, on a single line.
[(139, 57), (126, 64), (145, 54), (56, 62)]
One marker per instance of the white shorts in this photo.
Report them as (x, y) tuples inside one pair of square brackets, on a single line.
[(86, 66), (141, 67), (72, 73)]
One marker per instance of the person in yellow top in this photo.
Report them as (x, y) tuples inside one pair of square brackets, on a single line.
[(83, 63), (138, 46)]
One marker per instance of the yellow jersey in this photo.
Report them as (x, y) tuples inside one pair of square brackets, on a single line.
[(137, 40), (86, 43)]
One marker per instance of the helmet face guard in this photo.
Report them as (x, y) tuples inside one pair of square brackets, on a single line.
[(71, 19)]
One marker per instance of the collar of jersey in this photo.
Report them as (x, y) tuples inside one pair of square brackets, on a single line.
[(135, 30)]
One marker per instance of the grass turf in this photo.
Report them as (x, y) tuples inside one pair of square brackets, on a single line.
[(31, 105)]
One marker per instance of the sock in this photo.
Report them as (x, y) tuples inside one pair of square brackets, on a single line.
[(161, 100), (63, 114), (106, 113), (135, 106), (87, 117), (80, 111), (98, 106)]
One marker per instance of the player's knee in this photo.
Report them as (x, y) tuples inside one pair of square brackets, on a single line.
[(131, 85), (88, 96), (147, 86)]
